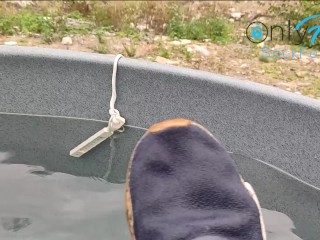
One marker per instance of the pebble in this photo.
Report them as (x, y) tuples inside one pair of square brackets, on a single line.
[(157, 38), (141, 27), (185, 41), (202, 50), (175, 43), (189, 49), (301, 73), (165, 60), (244, 66), (316, 60), (66, 41), (11, 43), (260, 45), (236, 15)]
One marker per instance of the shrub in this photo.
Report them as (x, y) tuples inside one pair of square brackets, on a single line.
[(218, 30), (27, 23), (296, 11)]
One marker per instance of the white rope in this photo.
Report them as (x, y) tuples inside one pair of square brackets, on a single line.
[(115, 123), (114, 113)]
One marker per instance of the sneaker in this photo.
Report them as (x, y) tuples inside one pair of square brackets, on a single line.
[(183, 185)]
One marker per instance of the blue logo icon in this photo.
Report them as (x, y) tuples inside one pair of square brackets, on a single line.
[(316, 28), (256, 32)]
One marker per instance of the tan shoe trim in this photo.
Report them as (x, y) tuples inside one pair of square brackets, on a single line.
[(128, 200), (255, 198), (179, 122)]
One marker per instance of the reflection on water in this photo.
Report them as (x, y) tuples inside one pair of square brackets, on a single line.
[(14, 224), (279, 226), (284, 193), (59, 206), (46, 194)]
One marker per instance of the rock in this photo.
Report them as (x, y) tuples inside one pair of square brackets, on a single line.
[(316, 60), (305, 59), (180, 42), (142, 27), (11, 43), (267, 60), (164, 26), (109, 34), (260, 45), (23, 4), (202, 50), (301, 74), (160, 38), (132, 25), (185, 41), (165, 60), (189, 49), (231, 20), (236, 15), (157, 38), (259, 71), (299, 93), (126, 40), (175, 43), (165, 38), (287, 85), (244, 66), (66, 41)]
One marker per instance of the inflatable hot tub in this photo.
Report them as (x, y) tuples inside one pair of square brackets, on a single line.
[(51, 100)]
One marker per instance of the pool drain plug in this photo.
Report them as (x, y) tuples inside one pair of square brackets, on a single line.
[(114, 124)]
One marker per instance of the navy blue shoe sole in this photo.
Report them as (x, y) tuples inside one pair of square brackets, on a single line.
[(164, 138)]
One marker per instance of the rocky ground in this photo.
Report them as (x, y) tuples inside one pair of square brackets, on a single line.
[(238, 59)]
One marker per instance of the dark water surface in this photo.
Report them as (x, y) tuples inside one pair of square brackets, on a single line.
[(46, 194)]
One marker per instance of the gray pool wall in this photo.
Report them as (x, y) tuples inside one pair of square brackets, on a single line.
[(255, 120)]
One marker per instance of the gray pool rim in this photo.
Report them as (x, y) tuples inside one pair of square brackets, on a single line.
[(275, 126)]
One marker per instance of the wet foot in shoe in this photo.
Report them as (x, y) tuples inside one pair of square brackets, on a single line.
[(183, 185)]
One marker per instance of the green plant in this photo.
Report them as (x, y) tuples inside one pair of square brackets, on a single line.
[(102, 16), (314, 89), (75, 15), (176, 23), (23, 42), (295, 12), (206, 27), (7, 25), (128, 31), (28, 23), (164, 52), (130, 50), (101, 48), (100, 35), (187, 54)]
